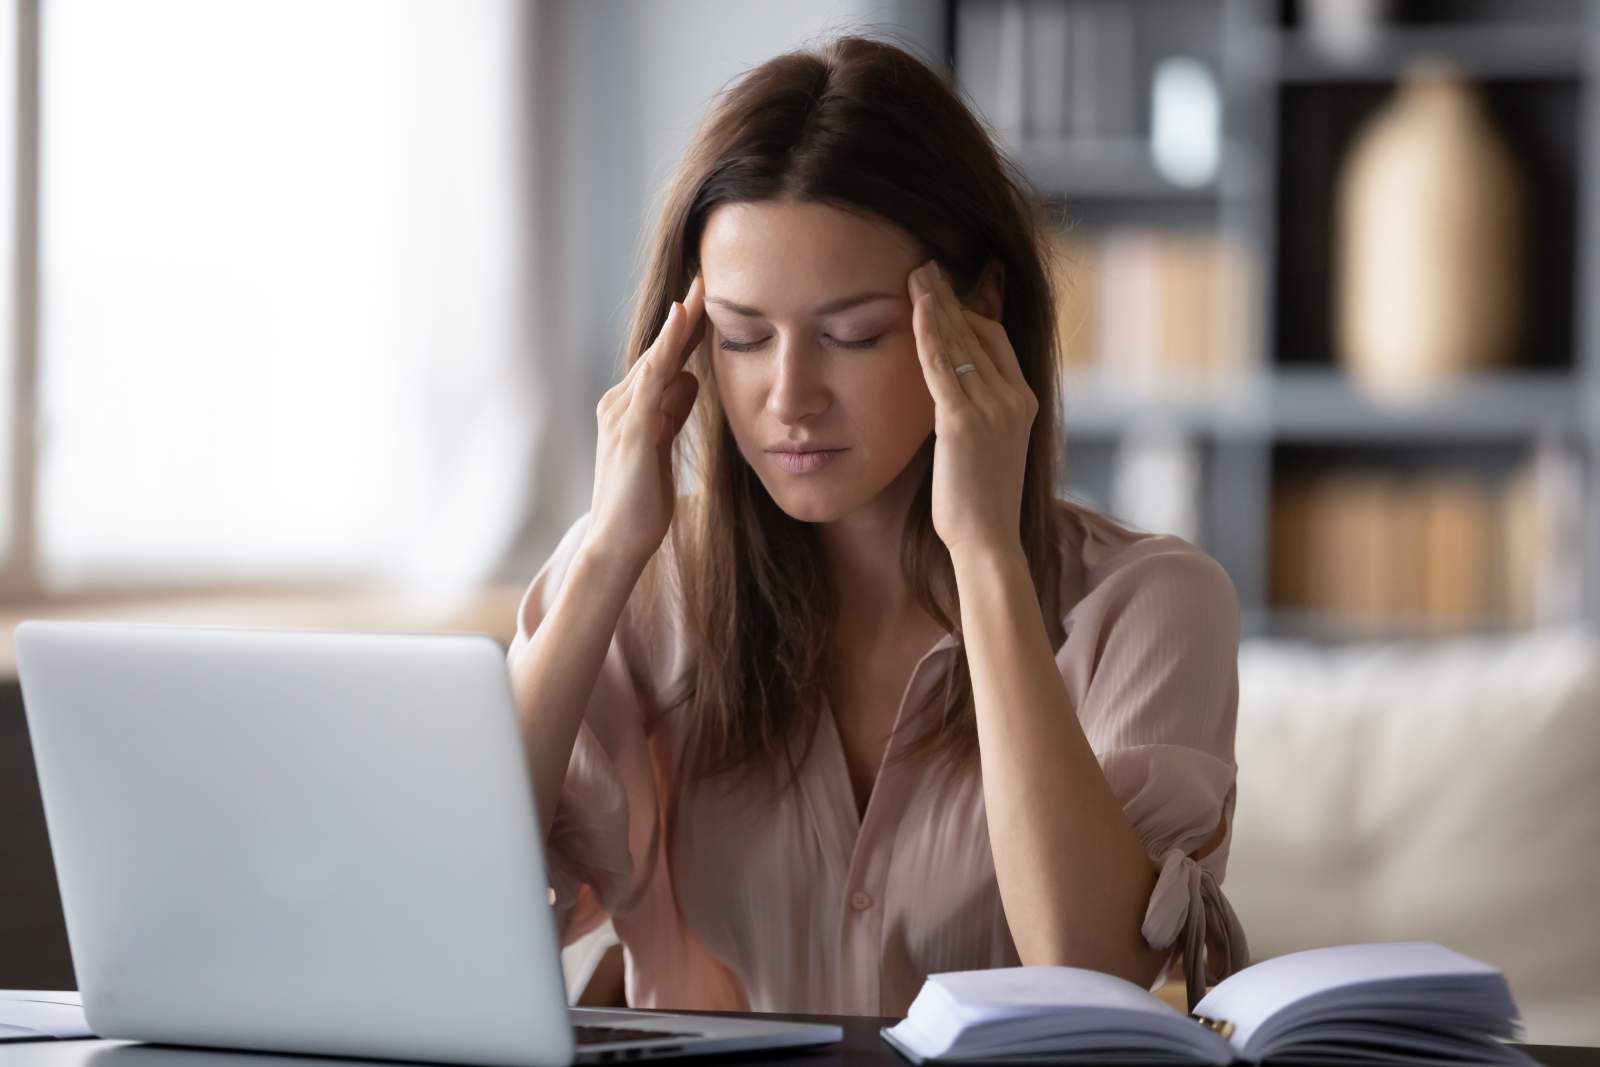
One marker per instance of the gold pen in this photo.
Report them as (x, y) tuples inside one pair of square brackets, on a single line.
[(1221, 1026)]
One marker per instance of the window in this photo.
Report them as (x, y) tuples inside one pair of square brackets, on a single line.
[(278, 265)]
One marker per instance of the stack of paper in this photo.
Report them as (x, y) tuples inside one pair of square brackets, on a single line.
[(41, 1014)]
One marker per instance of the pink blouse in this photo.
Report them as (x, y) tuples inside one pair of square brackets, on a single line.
[(801, 906)]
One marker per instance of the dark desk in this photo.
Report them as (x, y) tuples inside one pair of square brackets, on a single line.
[(862, 1047)]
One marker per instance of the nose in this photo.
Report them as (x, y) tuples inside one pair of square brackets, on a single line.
[(797, 390)]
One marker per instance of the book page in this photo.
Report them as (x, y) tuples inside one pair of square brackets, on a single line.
[(1251, 997), (1003, 991), (1065, 1012)]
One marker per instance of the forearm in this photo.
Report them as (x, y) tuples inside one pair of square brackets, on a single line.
[(554, 675), (1074, 878)]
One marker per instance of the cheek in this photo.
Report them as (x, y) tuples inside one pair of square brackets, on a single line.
[(740, 395), (895, 394), (736, 386)]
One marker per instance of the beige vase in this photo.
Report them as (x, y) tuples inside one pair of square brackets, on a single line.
[(1429, 242)]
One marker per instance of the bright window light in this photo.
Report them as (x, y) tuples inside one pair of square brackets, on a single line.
[(276, 238)]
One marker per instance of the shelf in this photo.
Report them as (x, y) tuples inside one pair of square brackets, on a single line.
[(1319, 405), (1311, 405), (1292, 112), (1285, 624), (1101, 409), (1315, 405), (1509, 52), (1102, 170)]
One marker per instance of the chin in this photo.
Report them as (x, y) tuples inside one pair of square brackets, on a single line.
[(819, 500), (809, 505)]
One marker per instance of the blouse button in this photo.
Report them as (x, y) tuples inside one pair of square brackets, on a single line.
[(860, 900)]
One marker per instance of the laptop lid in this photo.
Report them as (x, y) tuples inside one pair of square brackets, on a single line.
[(295, 840)]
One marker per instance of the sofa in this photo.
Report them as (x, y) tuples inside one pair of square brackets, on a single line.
[(1448, 791)]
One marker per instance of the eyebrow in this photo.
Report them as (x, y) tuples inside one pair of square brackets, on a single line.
[(841, 304)]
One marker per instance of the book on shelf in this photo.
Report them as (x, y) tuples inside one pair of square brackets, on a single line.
[(990, 45), (1396, 1002), (1546, 535), (1380, 551), (1149, 311), (1051, 71), (1458, 552)]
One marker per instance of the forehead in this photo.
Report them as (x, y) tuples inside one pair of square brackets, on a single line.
[(788, 257)]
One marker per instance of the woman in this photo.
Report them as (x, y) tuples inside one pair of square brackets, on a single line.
[(880, 706)]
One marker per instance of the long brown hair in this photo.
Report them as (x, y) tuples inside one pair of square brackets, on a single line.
[(866, 126)]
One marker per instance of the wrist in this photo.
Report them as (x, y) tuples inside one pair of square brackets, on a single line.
[(598, 563), (989, 561)]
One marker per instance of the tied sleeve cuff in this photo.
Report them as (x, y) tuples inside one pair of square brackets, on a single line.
[(589, 862), (574, 915), (1187, 902)]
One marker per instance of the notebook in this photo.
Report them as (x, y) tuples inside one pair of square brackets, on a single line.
[(1392, 1002), (41, 1014)]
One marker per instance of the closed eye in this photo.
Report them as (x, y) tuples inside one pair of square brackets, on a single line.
[(750, 346)]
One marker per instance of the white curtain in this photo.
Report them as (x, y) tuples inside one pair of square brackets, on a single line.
[(300, 292)]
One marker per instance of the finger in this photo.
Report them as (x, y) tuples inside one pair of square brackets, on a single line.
[(644, 387), (671, 355), (972, 383), (693, 306), (677, 400), (692, 330), (681, 333), (931, 352), (963, 342), (998, 345), (631, 372)]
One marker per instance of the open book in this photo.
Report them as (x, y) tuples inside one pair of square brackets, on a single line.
[(1402, 1002)]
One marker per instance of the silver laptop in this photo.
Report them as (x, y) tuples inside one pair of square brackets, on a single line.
[(315, 842)]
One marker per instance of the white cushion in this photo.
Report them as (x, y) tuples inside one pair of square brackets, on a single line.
[(1447, 791)]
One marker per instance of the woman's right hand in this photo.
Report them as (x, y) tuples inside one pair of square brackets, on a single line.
[(639, 418)]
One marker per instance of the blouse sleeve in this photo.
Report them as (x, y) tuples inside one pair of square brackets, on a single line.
[(1159, 709), (603, 835)]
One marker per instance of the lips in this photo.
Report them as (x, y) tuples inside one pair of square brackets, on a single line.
[(803, 449), (806, 462)]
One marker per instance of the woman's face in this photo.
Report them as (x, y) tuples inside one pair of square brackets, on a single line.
[(811, 346)]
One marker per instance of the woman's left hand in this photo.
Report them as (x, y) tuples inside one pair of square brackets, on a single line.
[(982, 418)]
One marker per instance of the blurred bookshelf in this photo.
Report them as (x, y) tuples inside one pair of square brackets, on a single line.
[(1190, 153)]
